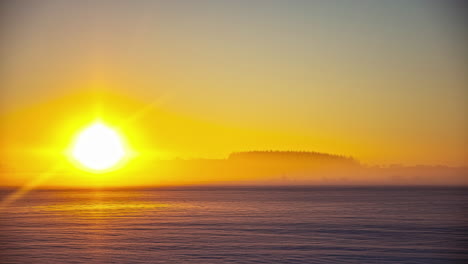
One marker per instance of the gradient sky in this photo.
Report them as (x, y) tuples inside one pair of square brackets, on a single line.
[(384, 81)]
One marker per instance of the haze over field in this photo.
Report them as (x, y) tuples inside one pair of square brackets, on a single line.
[(233, 131)]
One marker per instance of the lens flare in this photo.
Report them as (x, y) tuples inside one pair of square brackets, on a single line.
[(98, 148)]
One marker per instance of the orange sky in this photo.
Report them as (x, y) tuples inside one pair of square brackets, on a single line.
[(382, 82)]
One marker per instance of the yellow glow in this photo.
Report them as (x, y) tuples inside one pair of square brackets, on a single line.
[(98, 148)]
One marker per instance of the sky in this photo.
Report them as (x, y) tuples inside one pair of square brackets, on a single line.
[(383, 81)]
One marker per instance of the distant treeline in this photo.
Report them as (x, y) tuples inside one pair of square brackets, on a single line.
[(290, 155)]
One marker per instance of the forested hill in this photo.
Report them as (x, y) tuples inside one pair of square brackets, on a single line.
[(304, 156)]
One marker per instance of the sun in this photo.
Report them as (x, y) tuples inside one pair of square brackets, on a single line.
[(98, 148)]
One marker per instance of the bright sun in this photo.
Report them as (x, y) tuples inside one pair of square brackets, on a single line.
[(98, 148)]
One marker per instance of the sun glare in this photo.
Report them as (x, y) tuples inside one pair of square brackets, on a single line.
[(98, 148)]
